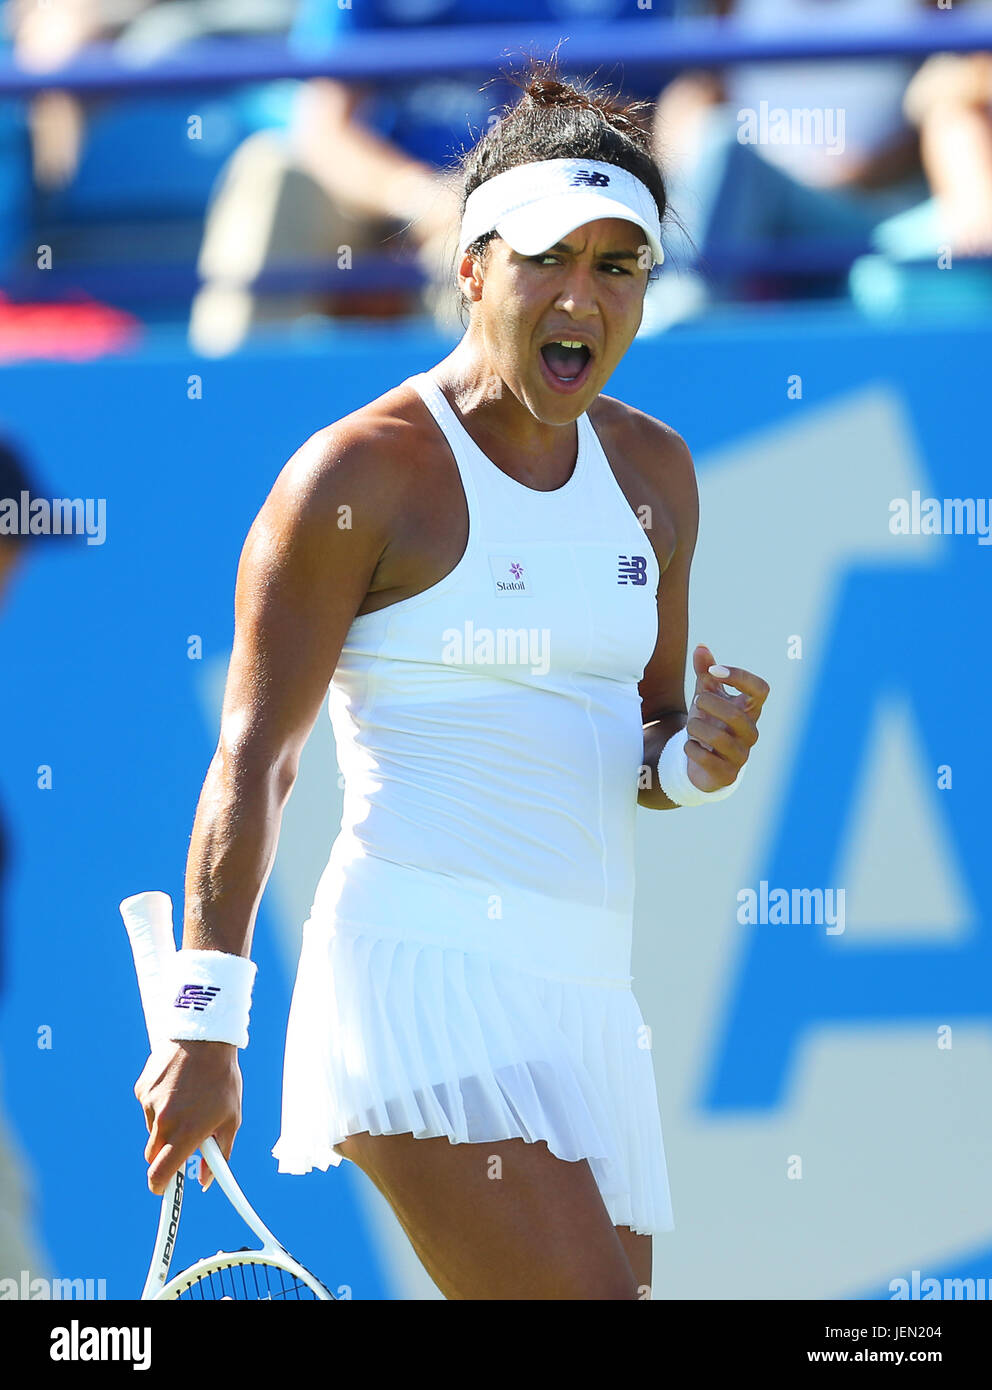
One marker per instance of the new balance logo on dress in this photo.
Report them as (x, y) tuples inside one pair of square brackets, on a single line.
[(196, 996), (633, 569)]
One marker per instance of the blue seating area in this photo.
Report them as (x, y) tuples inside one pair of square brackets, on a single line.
[(128, 226)]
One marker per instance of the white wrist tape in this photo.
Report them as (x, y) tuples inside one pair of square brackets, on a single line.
[(208, 996), (673, 775)]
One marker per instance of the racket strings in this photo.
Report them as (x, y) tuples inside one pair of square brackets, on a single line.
[(247, 1281)]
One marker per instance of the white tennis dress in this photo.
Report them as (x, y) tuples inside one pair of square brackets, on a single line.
[(465, 968)]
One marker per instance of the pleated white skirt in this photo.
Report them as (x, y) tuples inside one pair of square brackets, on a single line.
[(417, 1010)]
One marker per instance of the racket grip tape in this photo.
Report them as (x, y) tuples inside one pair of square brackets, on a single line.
[(148, 920)]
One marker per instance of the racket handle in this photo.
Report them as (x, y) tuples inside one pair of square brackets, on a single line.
[(148, 919)]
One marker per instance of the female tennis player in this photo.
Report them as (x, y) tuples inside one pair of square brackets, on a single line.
[(463, 563)]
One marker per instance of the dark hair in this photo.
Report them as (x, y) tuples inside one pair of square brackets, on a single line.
[(555, 119)]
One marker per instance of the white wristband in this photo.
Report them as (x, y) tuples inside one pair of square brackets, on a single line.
[(208, 997), (673, 775)]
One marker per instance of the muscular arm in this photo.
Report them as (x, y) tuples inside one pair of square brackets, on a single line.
[(370, 175), (301, 579), (666, 459)]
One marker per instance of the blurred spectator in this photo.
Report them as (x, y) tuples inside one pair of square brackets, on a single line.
[(40, 144), (359, 167), (115, 185), (48, 33), (950, 101), (15, 480), (15, 167), (46, 36), (18, 1243), (739, 198)]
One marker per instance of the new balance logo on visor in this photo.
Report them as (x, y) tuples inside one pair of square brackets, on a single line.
[(196, 997), (633, 569), (590, 179)]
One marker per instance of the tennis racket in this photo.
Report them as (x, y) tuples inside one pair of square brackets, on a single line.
[(269, 1273)]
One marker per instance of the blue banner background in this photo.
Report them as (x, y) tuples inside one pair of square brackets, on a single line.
[(98, 686)]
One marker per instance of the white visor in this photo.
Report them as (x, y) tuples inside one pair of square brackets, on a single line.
[(533, 206)]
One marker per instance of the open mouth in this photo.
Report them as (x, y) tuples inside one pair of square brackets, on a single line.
[(566, 363)]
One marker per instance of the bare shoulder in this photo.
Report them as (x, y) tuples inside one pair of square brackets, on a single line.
[(364, 505), (373, 460), (654, 447), (654, 468)]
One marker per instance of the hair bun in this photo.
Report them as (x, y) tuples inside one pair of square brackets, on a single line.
[(559, 118), (548, 91)]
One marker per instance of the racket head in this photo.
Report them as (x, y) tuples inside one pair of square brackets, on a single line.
[(246, 1276)]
